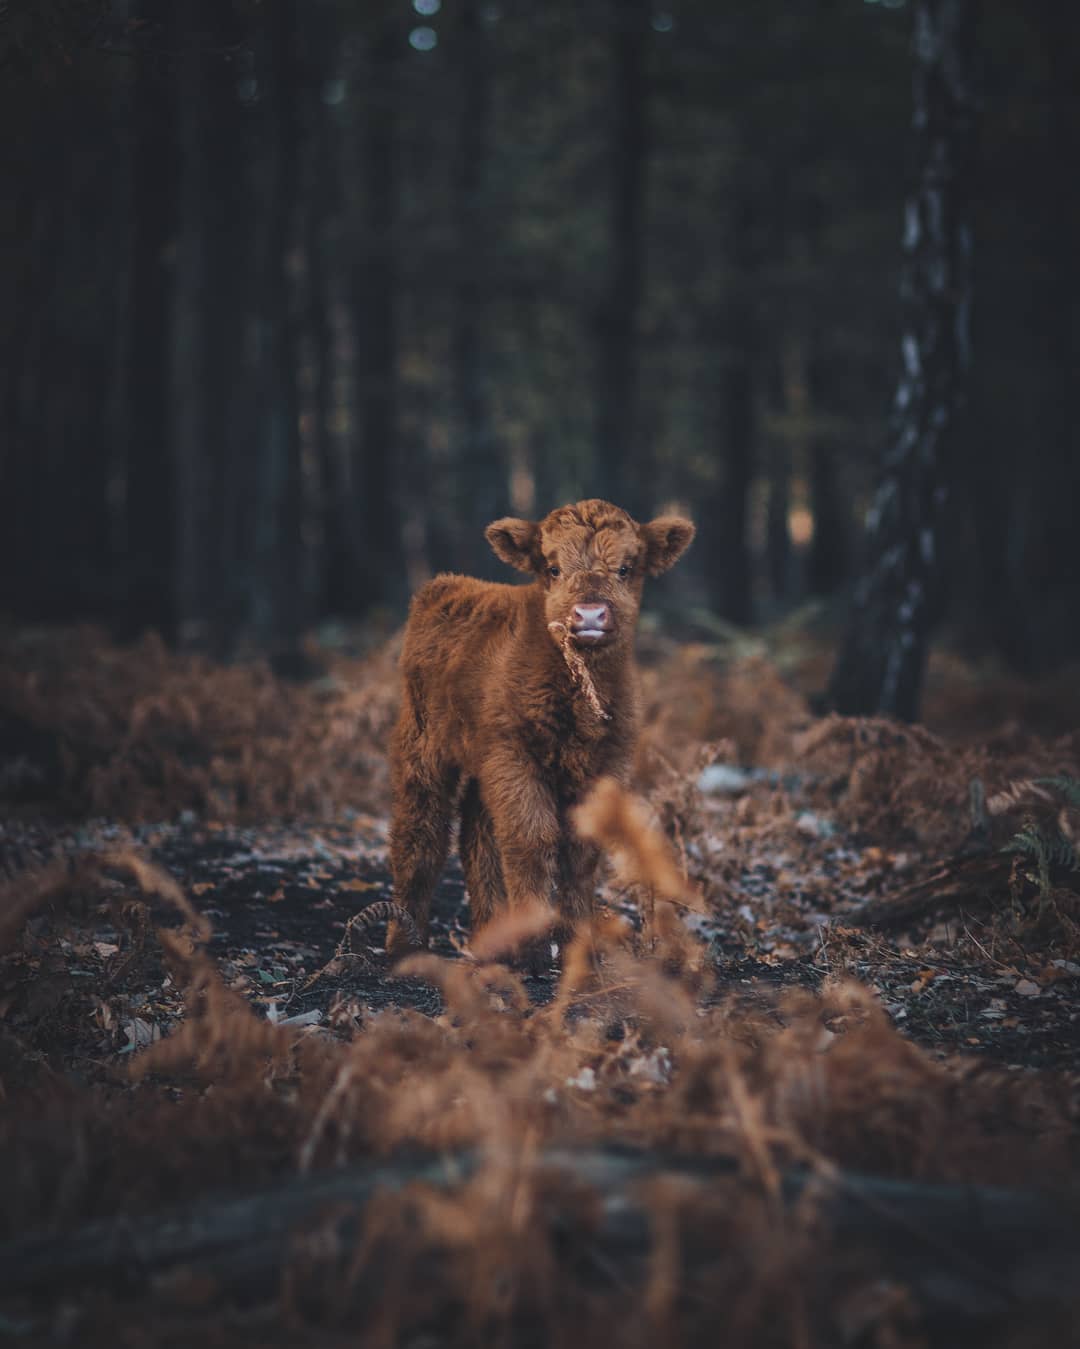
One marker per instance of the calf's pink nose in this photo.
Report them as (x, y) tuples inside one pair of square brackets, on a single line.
[(591, 616)]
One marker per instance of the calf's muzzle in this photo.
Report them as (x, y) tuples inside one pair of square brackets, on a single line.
[(590, 622)]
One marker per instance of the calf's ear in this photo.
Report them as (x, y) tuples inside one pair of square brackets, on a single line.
[(516, 542), (666, 539)]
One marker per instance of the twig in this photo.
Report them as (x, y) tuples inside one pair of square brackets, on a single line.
[(579, 671)]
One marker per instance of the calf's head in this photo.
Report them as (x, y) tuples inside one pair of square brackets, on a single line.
[(591, 560)]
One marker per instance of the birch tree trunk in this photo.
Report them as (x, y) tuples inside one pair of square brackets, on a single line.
[(883, 658)]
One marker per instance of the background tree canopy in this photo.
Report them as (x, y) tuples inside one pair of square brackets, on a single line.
[(296, 297)]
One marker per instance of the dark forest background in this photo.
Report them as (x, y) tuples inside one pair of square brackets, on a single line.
[(295, 297)]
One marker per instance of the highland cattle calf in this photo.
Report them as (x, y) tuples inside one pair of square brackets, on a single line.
[(515, 700)]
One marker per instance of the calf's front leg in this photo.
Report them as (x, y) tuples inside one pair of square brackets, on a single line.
[(480, 859), (526, 824), (578, 865)]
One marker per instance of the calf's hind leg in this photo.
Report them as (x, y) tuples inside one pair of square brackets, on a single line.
[(480, 859), (419, 842)]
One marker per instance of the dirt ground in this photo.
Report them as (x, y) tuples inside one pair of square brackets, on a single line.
[(876, 968)]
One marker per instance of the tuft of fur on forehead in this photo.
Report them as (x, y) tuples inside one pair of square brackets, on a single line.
[(592, 514), (592, 525)]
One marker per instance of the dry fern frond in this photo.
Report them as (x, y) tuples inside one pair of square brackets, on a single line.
[(454, 979), (619, 823), (30, 890), (220, 1035), (1025, 792), (145, 733), (578, 669), (511, 930), (345, 958), (154, 880)]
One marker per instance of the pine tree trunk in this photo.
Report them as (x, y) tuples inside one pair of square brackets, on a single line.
[(150, 534), (881, 665), (727, 542), (38, 231), (829, 554), (232, 400), (781, 452), (618, 468), (281, 602), (376, 484), (187, 401), (480, 471), (376, 320)]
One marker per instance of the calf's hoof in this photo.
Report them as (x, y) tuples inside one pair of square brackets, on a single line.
[(534, 958), (400, 942)]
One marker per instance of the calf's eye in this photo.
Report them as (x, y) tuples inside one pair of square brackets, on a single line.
[(553, 571), (624, 572)]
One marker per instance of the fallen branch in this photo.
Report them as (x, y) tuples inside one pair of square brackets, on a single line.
[(967, 1251), (968, 882)]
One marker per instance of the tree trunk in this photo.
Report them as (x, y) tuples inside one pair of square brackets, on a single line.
[(882, 661), (320, 83), (118, 351), (481, 473), (229, 362), (781, 449), (189, 423), (618, 468), (727, 541), (149, 516), (281, 602), (38, 232), (376, 320), (345, 582), (1057, 641), (829, 554)]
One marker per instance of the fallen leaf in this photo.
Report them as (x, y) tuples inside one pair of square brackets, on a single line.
[(140, 1033), (654, 1067), (585, 1080), (1056, 970)]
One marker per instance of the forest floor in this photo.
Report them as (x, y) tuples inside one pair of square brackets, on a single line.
[(876, 973)]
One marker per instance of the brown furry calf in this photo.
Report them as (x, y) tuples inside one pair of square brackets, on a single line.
[(515, 700)]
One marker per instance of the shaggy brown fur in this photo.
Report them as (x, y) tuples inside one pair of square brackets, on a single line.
[(516, 699)]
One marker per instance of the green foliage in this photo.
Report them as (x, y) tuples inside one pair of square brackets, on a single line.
[(1066, 787), (1044, 842)]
